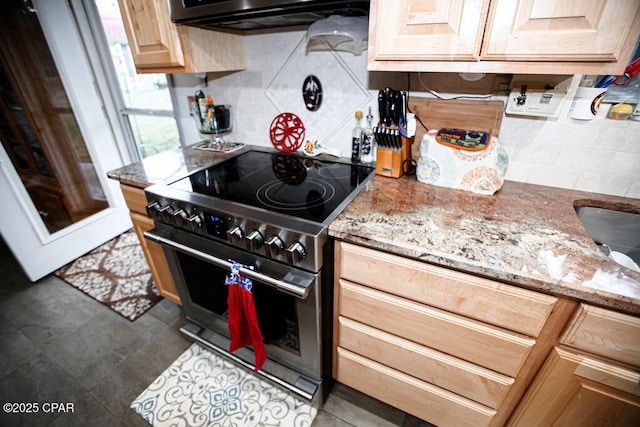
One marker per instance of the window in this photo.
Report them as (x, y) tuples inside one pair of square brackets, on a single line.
[(144, 100)]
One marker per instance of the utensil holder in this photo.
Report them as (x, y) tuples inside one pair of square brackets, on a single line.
[(389, 161)]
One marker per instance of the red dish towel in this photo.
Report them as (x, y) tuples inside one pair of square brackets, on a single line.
[(244, 329)]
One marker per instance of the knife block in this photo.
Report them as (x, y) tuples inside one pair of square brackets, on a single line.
[(389, 161)]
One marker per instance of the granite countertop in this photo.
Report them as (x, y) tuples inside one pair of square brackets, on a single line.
[(167, 167), (525, 234)]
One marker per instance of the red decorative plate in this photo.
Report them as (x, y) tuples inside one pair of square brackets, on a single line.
[(287, 132)]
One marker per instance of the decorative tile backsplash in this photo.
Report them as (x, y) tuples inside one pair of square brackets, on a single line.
[(600, 155), (342, 92)]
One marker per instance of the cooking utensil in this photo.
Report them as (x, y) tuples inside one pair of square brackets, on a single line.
[(405, 108), (629, 73), (382, 107), (624, 260), (314, 148), (376, 137), (381, 137), (395, 107), (391, 108), (605, 81), (387, 138)]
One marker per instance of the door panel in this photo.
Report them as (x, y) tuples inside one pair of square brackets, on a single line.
[(576, 389), (63, 117), (550, 30), (428, 29)]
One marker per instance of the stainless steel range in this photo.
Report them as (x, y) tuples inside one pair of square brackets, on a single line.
[(268, 212)]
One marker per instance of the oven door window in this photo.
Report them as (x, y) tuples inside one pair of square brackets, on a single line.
[(276, 310)]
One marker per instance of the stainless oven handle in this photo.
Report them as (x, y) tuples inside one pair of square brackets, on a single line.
[(292, 289)]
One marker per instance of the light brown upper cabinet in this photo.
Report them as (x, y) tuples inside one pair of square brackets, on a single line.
[(503, 36), (427, 30), (159, 46)]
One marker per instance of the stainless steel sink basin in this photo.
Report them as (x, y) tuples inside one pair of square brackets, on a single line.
[(615, 232)]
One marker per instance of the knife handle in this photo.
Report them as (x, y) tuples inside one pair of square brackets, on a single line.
[(405, 108), (382, 107), (397, 107)]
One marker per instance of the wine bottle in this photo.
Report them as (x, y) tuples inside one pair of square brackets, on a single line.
[(356, 138)]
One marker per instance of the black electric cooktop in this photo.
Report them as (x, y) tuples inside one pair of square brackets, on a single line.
[(303, 187)]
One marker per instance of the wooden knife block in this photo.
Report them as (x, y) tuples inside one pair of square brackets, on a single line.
[(389, 161)]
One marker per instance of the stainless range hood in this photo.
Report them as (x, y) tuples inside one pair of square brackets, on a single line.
[(258, 14)]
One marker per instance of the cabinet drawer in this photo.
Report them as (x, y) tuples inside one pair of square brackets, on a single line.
[(502, 305), (135, 199), (409, 394), (605, 333), (468, 339), (463, 378)]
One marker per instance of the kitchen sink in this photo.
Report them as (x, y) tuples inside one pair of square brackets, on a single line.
[(616, 233)]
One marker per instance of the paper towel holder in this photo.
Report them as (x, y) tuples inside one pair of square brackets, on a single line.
[(340, 33)]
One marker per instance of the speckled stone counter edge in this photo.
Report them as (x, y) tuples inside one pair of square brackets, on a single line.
[(526, 235)]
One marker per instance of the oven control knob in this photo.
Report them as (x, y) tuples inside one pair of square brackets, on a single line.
[(153, 210), (295, 253), (234, 234), (273, 246), (166, 214), (194, 222), (179, 217), (254, 241)]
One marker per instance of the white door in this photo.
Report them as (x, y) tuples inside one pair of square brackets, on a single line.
[(39, 248)]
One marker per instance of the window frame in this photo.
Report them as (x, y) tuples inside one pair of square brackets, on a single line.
[(89, 22)]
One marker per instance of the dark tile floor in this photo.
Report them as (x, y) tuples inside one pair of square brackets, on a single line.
[(58, 346)]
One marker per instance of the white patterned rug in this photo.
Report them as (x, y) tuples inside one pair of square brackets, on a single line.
[(115, 274), (203, 389)]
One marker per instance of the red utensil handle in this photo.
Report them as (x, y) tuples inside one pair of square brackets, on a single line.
[(629, 73)]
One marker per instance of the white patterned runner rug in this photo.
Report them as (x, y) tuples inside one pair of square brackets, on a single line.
[(203, 389), (115, 274)]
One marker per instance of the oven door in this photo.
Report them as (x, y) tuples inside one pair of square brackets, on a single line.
[(287, 304)]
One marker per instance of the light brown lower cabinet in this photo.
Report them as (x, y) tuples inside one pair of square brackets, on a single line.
[(478, 343), (592, 378), (450, 348), (574, 389), (479, 384), (459, 350), (412, 395), (136, 201)]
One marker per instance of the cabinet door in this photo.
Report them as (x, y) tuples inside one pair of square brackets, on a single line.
[(427, 29), (156, 259), (572, 389), (551, 30), (153, 39)]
